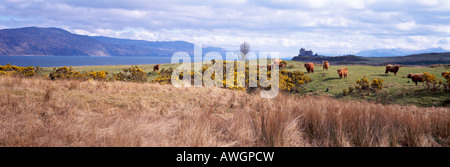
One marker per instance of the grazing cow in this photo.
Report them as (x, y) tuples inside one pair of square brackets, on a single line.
[(276, 61), (343, 72), (156, 67), (325, 65), (391, 68), (269, 67), (279, 63), (309, 67), (446, 74), (282, 66), (417, 77)]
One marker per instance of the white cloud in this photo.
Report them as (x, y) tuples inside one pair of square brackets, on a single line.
[(406, 25), (428, 2), (445, 29)]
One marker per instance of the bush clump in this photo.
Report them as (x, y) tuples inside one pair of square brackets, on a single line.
[(364, 84), (69, 73), (377, 84), (12, 70), (446, 84), (65, 73), (293, 81), (289, 81), (431, 81), (96, 75), (134, 74), (164, 76)]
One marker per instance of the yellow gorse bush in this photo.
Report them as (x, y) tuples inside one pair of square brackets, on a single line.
[(432, 83), (429, 78), (12, 70), (446, 75), (363, 83), (96, 75), (65, 73), (68, 73), (377, 84), (289, 81), (293, 81), (164, 76), (134, 74)]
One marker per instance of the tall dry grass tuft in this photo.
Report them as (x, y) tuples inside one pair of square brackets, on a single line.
[(40, 112)]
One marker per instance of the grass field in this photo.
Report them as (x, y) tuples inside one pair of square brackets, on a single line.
[(41, 112), (396, 89)]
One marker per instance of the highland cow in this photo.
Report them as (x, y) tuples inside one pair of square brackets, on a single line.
[(269, 67), (343, 72), (309, 67), (391, 68), (416, 77), (279, 63), (326, 65), (276, 61), (156, 67), (446, 74)]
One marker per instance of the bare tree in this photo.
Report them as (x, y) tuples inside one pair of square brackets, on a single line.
[(245, 48)]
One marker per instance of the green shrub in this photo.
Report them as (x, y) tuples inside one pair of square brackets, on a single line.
[(446, 84), (96, 75), (362, 83), (293, 81), (68, 73), (432, 83), (289, 81), (65, 73), (345, 92), (12, 70), (134, 74), (164, 76), (377, 84)]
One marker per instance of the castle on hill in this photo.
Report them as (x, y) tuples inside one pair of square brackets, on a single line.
[(305, 53)]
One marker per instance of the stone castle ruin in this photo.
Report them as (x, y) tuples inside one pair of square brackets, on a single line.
[(305, 53)]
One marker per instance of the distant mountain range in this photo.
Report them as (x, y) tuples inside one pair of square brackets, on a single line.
[(398, 52), (34, 41)]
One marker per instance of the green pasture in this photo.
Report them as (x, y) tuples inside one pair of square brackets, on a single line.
[(396, 89)]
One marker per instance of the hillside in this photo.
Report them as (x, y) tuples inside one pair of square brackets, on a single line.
[(48, 41), (398, 52), (34, 41), (417, 59)]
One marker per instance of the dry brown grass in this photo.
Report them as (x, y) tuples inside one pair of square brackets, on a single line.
[(39, 112)]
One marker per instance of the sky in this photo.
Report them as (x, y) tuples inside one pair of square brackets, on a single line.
[(333, 27)]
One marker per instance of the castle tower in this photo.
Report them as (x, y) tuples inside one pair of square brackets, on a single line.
[(302, 52)]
